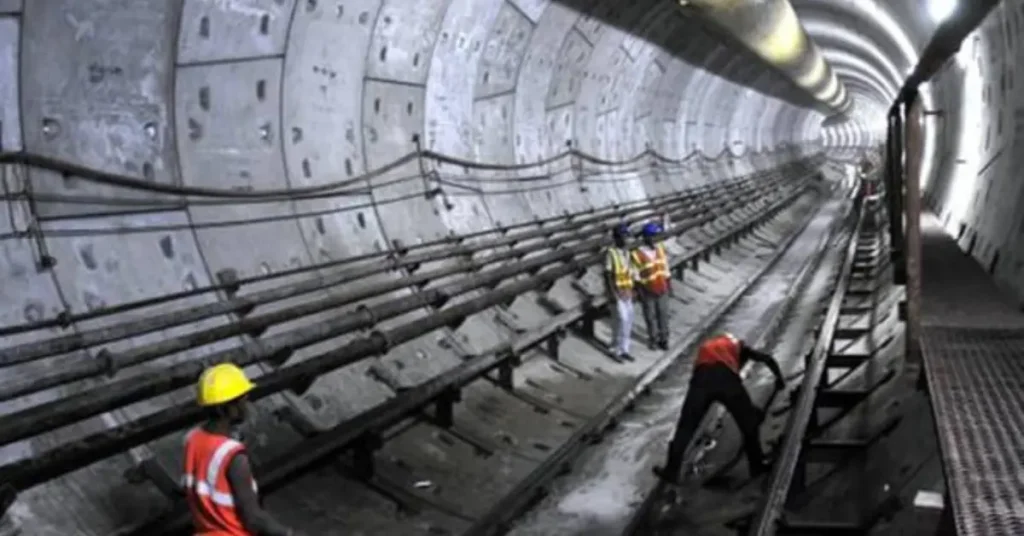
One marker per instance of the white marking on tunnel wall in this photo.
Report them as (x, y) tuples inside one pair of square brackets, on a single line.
[(242, 7), (83, 29)]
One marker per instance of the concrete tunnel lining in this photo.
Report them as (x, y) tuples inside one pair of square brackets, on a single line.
[(264, 95)]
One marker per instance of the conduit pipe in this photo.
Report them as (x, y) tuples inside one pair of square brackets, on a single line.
[(311, 452), (771, 30), (74, 455), (108, 363), (241, 305), (68, 410)]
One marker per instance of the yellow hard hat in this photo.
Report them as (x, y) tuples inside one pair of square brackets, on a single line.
[(221, 384)]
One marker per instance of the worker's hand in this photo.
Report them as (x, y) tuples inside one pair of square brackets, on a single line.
[(779, 384)]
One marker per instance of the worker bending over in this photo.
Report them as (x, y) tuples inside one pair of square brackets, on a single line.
[(716, 378), (619, 276), (651, 263), (218, 483)]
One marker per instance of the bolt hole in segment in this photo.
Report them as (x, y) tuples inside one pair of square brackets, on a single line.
[(610, 481), (227, 133)]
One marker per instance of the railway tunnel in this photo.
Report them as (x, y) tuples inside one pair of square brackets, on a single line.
[(391, 213)]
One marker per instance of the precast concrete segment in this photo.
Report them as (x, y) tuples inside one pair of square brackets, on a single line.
[(168, 445), (278, 94), (304, 337), (281, 468), (982, 148)]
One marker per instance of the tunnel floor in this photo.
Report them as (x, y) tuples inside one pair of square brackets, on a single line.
[(601, 494), (452, 475)]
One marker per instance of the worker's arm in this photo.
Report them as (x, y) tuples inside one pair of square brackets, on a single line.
[(668, 265), (609, 273), (255, 519), (767, 360)]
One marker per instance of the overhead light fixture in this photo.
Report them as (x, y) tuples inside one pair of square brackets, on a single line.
[(940, 10)]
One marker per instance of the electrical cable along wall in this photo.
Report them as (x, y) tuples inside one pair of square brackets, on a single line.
[(285, 321), (199, 189)]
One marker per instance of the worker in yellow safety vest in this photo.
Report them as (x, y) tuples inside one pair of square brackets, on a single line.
[(655, 285), (218, 483), (619, 277)]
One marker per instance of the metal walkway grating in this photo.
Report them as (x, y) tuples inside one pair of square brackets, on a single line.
[(976, 381)]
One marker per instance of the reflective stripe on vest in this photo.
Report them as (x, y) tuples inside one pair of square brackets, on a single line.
[(206, 484), (721, 350), (653, 271), (620, 270)]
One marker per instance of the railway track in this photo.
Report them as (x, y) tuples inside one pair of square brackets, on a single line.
[(758, 313), (723, 236), (757, 506), (364, 447), (504, 514)]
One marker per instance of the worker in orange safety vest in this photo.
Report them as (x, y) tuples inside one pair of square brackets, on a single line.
[(655, 285), (716, 378), (619, 281), (218, 483)]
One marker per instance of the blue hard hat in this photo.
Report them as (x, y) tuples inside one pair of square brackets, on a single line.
[(621, 229), (651, 229)]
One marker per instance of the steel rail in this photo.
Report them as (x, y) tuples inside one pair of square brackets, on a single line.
[(770, 507), (310, 452), (70, 456), (767, 338), (66, 318), (244, 304), (47, 416), (68, 343), (497, 519), (108, 363)]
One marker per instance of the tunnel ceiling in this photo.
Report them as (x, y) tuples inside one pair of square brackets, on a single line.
[(270, 140)]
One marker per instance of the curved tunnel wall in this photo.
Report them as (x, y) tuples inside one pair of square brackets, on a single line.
[(975, 191), (272, 94)]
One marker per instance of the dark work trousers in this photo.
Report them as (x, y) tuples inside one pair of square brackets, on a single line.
[(655, 315), (709, 384)]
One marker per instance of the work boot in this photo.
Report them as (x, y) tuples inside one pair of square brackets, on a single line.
[(663, 344), (666, 476), (652, 343), (626, 357)]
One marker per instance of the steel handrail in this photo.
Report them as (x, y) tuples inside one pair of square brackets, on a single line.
[(770, 507)]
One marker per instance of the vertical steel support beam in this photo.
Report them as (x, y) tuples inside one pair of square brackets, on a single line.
[(894, 191), (912, 245)]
